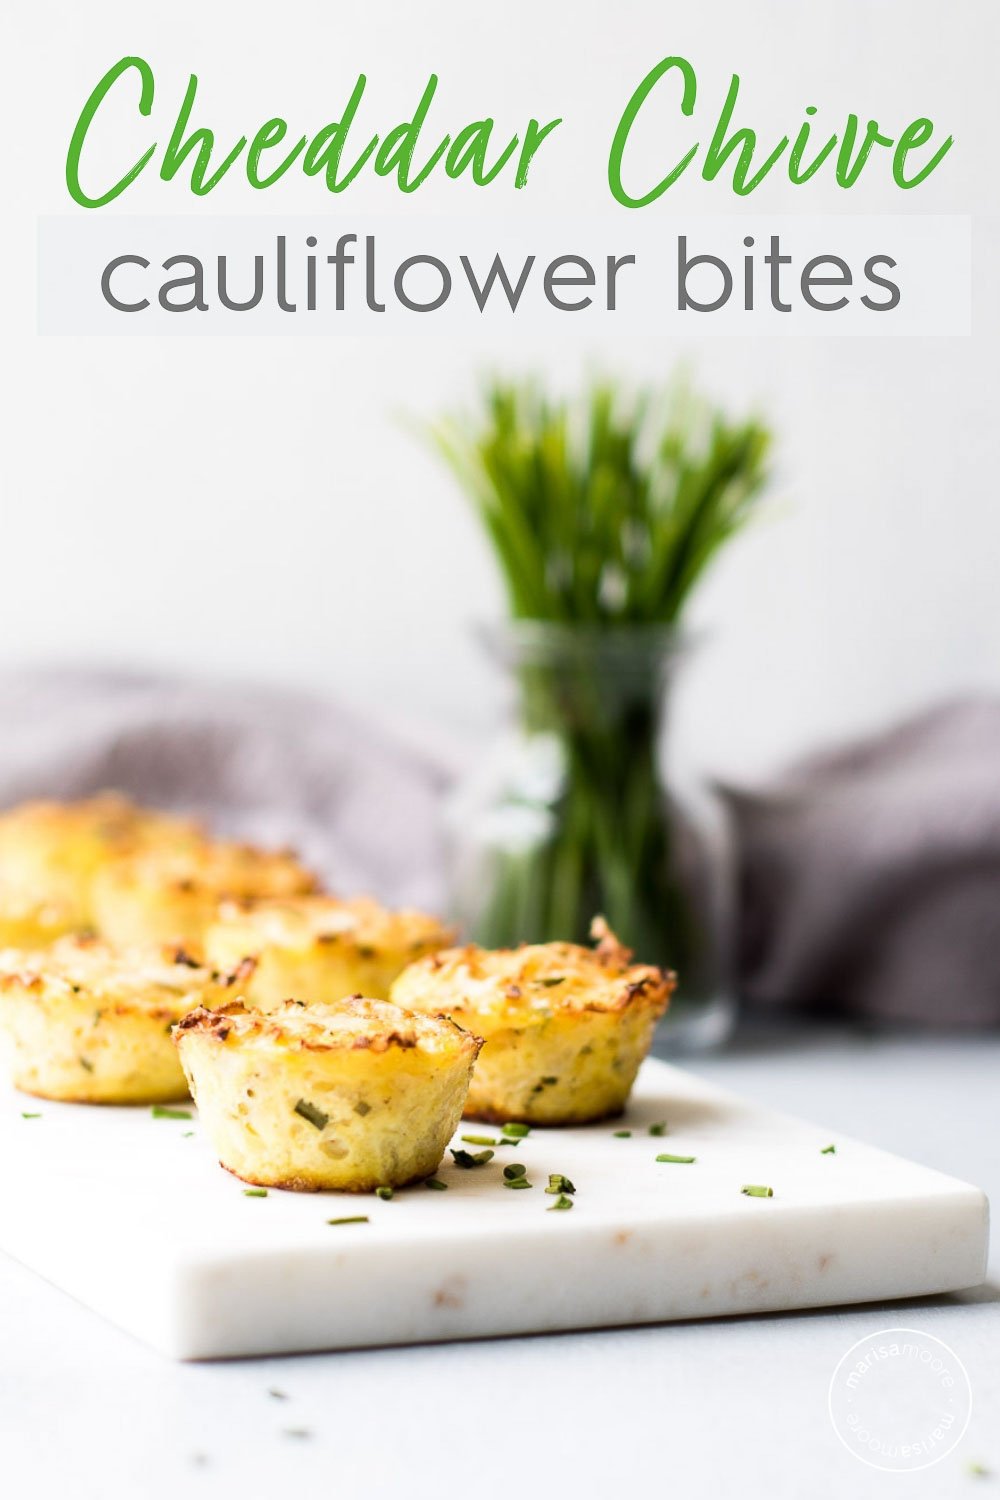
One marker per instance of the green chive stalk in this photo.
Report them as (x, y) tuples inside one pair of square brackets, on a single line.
[(604, 512)]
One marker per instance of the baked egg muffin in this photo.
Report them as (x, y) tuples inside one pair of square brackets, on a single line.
[(171, 895), (320, 948), (50, 853), (565, 1028), (351, 1096), (86, 1023)]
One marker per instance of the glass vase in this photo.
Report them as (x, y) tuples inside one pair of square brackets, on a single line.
[(571, 816)]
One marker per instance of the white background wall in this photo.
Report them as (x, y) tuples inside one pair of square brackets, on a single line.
[(256, 507)]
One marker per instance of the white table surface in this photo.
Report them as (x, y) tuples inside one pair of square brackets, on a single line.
[(733, 1407)]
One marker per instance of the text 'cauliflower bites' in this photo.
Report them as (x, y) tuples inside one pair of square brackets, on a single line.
[(565, 1027), (89, 1024), (319, 948), (170, 896), (352, 1096)]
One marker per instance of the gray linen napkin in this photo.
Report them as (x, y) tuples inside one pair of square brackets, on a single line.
[(360, 804), (869, 877)]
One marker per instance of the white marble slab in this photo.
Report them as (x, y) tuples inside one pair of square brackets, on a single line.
[(132, 1216)]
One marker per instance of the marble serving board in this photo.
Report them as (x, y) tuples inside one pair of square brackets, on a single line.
[(131, 1215)]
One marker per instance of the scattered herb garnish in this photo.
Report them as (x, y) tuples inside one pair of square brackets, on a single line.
[(469, 1159), (559, 1184), (978, 1470), (186, 1135), (86, 1064), (350, 1219), (362, 1108), (547, 1081), (514, 1171), (255, 1192), (517, 1182), (830, 1150), (30, 1116), (621, 1135), (660, 1128), (312, 1114), (481, 1140), (161, 1112), (385, 1193), (553, 981), (277, 1395), (684, 1161), (755, 1190), (436, 1185), (516, 1131), (561, 1202)]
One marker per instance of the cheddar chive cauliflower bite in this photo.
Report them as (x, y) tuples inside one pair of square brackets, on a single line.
[(171, 895), (565, 1027), (50, 853), (319, 948), (91, 1025), (351, 1096)]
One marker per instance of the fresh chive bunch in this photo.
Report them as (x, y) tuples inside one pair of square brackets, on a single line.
[(604, 511)]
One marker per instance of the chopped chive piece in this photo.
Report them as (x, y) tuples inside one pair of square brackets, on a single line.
[(86, 1064), (555, 979), (515, 1170), (469, 1159), (186, 1135), (312, 1114), (481, 1140), (559, 1184), (830, 1150), (385, 1193), (161, 1112), (30, 1116), (659, 1128), (621, 1135), (684, 1161), (350, 1219), (755, 1190), (517, 1182), (436, 1185), (515, 1130), (255, 1192), (562, 1202)]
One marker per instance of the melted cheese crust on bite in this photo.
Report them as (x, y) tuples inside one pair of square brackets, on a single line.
[(171, 895), (351, 1096), (90, 1024), (50, 853), (565, 1028), (319, 948)]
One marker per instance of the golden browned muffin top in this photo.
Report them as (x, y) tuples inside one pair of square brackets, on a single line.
[(108, 817), (215, 868), (531, 983), (84, 968), (358, 924), (350, 1025), (48, 848)]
